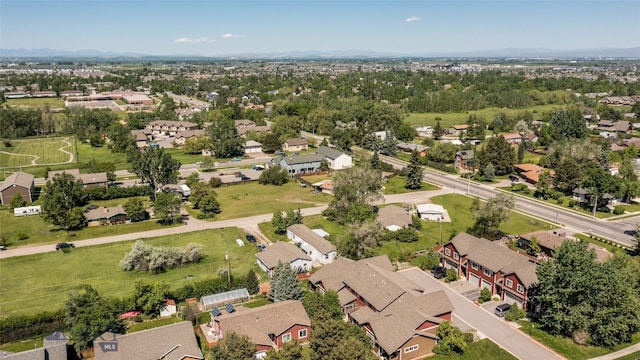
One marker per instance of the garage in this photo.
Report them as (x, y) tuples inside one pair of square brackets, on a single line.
[(474, 279), (511, 298), (487, 285), (450, 264)]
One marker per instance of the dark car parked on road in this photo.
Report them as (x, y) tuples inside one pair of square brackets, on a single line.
[(64, 245)]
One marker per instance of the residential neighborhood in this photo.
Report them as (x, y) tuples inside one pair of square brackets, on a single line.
[(319, 208)]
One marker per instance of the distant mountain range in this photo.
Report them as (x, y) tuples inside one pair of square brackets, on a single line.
[(633, 52)]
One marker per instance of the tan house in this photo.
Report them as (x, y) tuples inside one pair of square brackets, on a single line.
[(106, 216), (295, 144), (19, 183), (399, 317), (171, 342)]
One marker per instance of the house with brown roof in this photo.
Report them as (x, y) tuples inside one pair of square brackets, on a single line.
[(312, 244), (550, 240), (170, 127), (457, 129), (394, 217), (171, 342), (17, 184), (285, 253), (399, 317), (531, 172), (614, 126), (269, 326), (182, 137), (488, 264), (295, 144), (106, 216)]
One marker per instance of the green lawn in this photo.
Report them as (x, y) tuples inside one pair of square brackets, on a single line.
[(23, 345), (632, 356), (150, 324), (37, 151), (449, 119), (566, 347), (40, 232), (396, 185), (254, 199), (43, 281), (35, 102), (101, 154), (481, 349)]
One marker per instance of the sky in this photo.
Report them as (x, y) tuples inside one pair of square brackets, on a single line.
[(218, 27)]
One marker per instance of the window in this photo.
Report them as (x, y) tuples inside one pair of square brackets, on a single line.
[(411, 348), (286, 337), (447, 251), (520, 289), (302, 333), (474, 266), (509, 283), (456, 255), (487, 272)]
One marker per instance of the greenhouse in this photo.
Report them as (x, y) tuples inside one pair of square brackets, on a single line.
[(233, 296)]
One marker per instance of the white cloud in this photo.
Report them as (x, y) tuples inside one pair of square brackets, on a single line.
[(412, 19), (187, 40), (229, 36)]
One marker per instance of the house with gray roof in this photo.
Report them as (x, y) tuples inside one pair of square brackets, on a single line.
[(171, 342), (269, 326), (300, 164), (318, 248), (396, 313), (394, 217), (54, 347), (285, 253), (337, 159), (489, 264)]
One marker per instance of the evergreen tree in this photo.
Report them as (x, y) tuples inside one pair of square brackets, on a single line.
[(389, 145), (489, 173), (414, 172), (251, 282), (438, 131), (499, 153), (375, 160), (284, 284), (521, 149), (279, 224)]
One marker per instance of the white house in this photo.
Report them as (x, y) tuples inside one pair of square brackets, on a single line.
[(312, 244), (337, 159), (286, 253), (431, 212), (252, 146)]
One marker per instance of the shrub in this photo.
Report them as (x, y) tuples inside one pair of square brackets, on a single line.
[(618, 210), (99, 193), (485, 294), (515, 314), (145, 257), (275, 175), (572, 203), (22, 236), (21, 327), (452, 275), (215, 182), (427, 261)]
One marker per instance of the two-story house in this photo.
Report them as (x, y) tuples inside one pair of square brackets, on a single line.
[(336, 159), (300, 164), (399, 317), (488, 264)]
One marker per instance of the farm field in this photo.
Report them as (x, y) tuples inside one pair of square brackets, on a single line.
[(37, 151), (42, 282), (449, 119)]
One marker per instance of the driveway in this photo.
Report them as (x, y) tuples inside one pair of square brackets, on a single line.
[(487, 324)]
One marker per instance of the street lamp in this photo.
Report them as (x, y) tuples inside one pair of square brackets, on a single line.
[(228, 259)]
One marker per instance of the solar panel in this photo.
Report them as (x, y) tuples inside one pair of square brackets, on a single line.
[(216, 312), (230, 308)]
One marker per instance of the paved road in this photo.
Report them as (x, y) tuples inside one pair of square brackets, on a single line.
[(572, 221), (248, 223), (496, 329)]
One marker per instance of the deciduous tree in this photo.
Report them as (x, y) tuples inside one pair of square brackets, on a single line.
[(155, 167), (355, 189), (62, 195), (234, 347), (166, 208), (489, 215)]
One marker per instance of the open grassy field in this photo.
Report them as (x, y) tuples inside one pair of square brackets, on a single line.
[(35, 102), (567, 347), (255, 199), (42, 282), (449, 119), (482, 349), (395, 185), (101, 154), (37, 151)]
